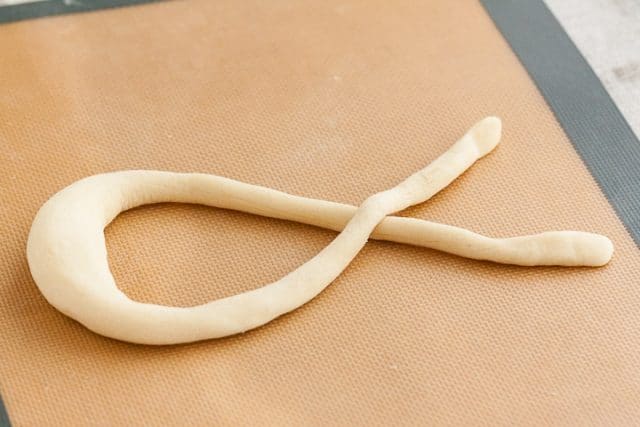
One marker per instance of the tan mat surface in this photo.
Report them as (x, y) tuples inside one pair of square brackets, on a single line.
[(334, 100)]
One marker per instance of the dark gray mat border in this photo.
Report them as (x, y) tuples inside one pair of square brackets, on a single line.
[(599, 132), (4, 417), (40, 9)]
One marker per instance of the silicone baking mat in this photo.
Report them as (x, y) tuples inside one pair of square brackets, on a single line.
[(333, 100)]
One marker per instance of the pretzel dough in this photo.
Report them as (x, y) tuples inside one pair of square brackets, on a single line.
[(68, 258)]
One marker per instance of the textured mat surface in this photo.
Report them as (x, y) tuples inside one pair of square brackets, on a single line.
[(363, 94)]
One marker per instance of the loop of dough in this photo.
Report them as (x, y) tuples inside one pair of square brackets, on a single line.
[(68, 258)]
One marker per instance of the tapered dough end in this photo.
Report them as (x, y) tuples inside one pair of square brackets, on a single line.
[(601, 252), (486, 134)]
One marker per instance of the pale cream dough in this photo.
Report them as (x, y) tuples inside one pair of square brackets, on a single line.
[(68, 258)]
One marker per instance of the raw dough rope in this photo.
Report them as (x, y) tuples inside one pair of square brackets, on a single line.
[(68, 257)]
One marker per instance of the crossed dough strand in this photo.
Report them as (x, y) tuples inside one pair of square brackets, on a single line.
[(68, 258)]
